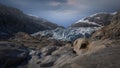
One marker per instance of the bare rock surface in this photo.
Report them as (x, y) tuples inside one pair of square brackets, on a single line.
[(111, 31), (12, 54)]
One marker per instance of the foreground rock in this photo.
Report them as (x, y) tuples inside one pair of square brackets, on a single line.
[(93, 54), (34, 42), (44, 52), (12, 55), (50, 56), (97, 54)]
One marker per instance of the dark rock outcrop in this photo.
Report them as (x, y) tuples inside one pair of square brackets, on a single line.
[(12, 54)]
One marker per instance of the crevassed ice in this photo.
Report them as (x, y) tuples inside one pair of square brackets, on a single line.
[(68, 34)]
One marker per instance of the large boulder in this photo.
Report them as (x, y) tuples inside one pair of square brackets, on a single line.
[(104, 55), (80, 44), (96, 54)]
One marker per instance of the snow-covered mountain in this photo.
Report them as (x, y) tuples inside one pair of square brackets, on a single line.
[(80, 29), (95, 20)]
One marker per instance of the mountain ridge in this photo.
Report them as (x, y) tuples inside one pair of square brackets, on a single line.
[(95, 20), (12, 20)]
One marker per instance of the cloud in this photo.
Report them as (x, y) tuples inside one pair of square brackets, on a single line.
[(54, 3), (63, 13)]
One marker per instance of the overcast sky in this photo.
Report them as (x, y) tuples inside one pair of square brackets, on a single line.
[(63, 12)]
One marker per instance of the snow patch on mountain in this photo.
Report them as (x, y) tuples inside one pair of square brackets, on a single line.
[(87, 21), (33, 15), (97, 18), (98, 14), (114, 13)]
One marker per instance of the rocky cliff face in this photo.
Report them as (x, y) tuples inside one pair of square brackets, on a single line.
[(13, 20), (111, 31)]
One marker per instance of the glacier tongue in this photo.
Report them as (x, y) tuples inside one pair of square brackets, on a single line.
[(69, 34)]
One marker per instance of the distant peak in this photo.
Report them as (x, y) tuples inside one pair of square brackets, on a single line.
[(98, 14)]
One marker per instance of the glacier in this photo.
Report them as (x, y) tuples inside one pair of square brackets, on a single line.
[(68, 34)]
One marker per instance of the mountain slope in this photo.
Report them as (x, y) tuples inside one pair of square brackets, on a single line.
[(13, 20), (111, 31), (95, 20), (81, 29)]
